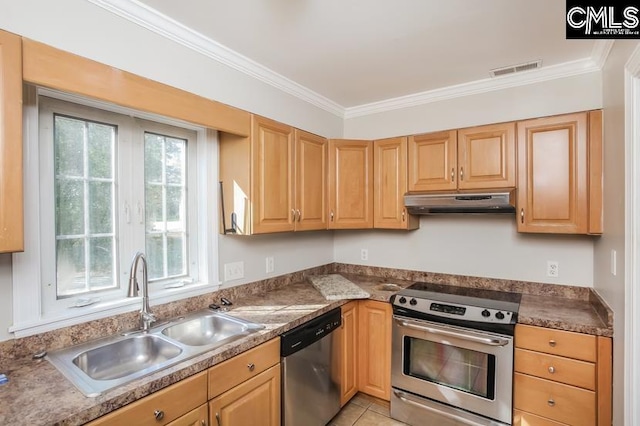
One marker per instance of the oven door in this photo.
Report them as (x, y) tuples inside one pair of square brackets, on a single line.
[(463, 368)]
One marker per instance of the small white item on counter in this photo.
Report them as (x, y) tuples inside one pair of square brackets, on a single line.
[(3, 379), (337, 287)]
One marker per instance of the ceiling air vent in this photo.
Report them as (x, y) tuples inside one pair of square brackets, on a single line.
[(497, 72)]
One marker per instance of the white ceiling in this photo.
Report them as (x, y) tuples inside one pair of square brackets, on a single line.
[(351, 54)]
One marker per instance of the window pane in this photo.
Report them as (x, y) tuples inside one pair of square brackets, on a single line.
[(175, 257), (85, 199), (100, 145), (100, 207), (69, 146), (69, 207), (153, 158), (70, 266), (165, 191), (155, 256), (175, 160), (102, 256)]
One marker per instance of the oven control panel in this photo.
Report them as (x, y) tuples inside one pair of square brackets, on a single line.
[(446, 310)]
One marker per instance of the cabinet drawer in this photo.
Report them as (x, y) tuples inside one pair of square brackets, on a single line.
[(236, 370), (556, 368), (556, 401), (556, 342), (522, 418), (197, 417), (173, 401)]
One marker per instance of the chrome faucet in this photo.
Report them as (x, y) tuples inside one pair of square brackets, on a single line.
[(146, 317)]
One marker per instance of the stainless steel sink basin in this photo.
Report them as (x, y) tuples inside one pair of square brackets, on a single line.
[(124, 357), (208, 329), (104, 364)]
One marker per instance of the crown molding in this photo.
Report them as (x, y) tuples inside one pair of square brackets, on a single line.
[(151, 19), (552, 72)]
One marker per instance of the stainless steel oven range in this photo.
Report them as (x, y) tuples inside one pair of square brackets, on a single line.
[(452, 355)]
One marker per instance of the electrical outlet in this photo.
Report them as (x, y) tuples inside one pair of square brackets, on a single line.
[(364, 254), (233, 271), (269, 264), (614, 263), (552, 269)]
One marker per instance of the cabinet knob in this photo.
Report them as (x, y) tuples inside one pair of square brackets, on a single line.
[(331, 215), (453, 174), (403, 215), (552, 343), (299, 214), (158, 414), (461, 173), (552, 369), (551, 402), (251, 366), (218, 418), (521, 215)]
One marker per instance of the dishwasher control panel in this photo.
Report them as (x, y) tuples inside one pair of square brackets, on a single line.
[(310, 332)]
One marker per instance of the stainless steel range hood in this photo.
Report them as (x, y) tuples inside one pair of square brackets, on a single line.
[(490, 202)]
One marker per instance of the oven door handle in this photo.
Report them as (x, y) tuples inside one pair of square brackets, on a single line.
[(458, 419), (490, 341)]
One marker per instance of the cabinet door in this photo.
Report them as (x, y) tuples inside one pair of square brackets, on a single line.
[(390, 185), (11, 198), (552, 175), (254, 402), (272, 180), (433, 162), (487, 157), (348, 352), (350, 184), (374, 349), (311, 189), (197, 417)]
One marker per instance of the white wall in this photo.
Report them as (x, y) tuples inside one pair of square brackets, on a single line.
[(80, 27), (609, 286), (291, 252), (485, 246), (570, 94)]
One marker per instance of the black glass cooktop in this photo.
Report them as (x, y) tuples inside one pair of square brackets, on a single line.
[(479, 293)]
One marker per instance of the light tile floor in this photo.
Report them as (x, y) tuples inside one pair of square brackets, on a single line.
[(364, 410)]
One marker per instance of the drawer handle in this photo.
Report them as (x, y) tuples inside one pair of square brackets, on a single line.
[(552, 369), (552, 343), (551, 402), (251, 366), (158, 414), (453, 174)]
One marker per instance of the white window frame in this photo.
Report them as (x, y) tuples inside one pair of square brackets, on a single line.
[(30, 315)]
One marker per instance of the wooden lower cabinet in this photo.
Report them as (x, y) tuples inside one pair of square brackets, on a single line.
[(163, 407), (374, 348), (348, 352), (561, 378), (254, 402), (197, 417)]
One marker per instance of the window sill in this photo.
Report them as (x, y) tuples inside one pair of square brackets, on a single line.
[(75, 316)]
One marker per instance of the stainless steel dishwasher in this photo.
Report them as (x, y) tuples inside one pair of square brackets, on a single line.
[(310, 371)]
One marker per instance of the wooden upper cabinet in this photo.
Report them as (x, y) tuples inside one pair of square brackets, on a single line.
[(310, 182), (554, 179), (487, 157), (433, 161), (390, 185), (273, 174), (350, 184), (11, 193)]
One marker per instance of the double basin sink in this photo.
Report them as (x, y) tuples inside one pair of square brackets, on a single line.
[(100, 365)]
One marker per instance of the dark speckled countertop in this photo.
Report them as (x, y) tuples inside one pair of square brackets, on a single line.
[(37, 394)]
